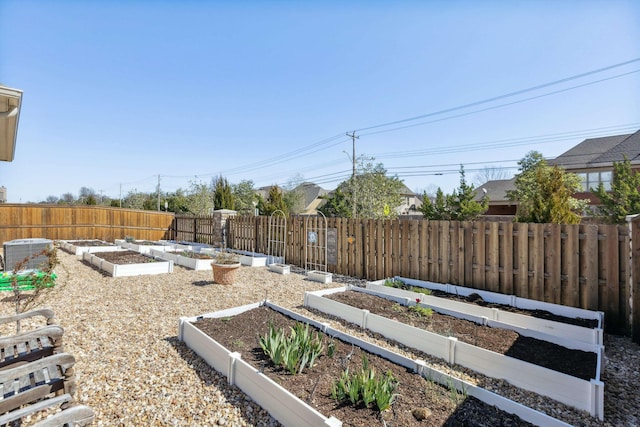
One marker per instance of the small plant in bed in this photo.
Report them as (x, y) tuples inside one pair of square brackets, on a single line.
[(195, 255), (293, 352), (419, 310), (365, 388), (399, 284)]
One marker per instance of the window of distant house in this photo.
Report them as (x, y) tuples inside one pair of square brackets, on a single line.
[(593, 179)]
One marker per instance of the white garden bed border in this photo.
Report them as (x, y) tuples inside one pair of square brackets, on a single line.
[(251, 259), (78, 250), (570, 390), (494, 317), (146, 249), (320, 276), (512, 300), (122, 270), (289, 409), (280, 268), (185, 261)]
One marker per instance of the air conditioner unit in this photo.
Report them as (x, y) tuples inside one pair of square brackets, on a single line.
[(15, 251)]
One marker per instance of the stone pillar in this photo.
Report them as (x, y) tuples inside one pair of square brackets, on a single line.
[(220, 230)]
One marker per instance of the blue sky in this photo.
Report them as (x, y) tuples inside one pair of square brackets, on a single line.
[(118, 93)]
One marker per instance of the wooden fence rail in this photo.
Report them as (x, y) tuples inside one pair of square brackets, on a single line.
[(61, 222), (587, 266)]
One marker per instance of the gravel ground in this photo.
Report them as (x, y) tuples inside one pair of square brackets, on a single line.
[(132, 370)]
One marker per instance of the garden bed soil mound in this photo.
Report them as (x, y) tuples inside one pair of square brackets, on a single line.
[(581, 364), (240, 333), (124, 257), (90, 243), (542, 314), (191, 254)]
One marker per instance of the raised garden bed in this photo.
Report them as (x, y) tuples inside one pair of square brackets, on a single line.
[(280, 268), (251, 259), (540, 309), (127, 263), (145, 246), (320, 276), (536, 323), (305, 399), (188, 259), (566, 375), (78, 247)]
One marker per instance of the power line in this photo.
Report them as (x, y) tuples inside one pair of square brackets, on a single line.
[(507, 95), (511, 142), (500, 105)]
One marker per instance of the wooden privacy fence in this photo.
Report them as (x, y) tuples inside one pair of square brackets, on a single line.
[(63, 222), (587, 266)]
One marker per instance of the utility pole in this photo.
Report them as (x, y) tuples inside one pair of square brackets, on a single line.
[(353, 161), (158, 192)]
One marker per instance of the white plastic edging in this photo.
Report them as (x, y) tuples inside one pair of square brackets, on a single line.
[(69, 246), (144, 249), (260, 388), (185, 261), (280, 268), (570, 336), (320, 276), (251, 259), (121, 270), (561, 387), (512, 300)]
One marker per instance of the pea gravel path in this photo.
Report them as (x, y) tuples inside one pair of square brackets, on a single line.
[(132, 370)]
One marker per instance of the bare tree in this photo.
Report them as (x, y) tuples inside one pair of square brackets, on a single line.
[(491, 173)]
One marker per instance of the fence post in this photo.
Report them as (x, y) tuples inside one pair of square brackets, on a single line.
[(634, 282)]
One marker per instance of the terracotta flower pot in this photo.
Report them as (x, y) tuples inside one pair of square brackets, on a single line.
[(224, 274)]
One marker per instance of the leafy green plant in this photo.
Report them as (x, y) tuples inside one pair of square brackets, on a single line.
[(365, 387), (331, 348), (420, 310), (394, 283), (294, 352), (399, 284)]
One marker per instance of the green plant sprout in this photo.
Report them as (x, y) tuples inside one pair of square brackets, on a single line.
[(366, 388), (294, 352)]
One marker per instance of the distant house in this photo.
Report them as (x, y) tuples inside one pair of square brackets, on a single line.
[(411, 202), (592, 160), (311, 197), (496, 191)]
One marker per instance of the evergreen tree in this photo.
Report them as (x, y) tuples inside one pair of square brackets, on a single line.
[(458, 206), (336, 205), (222, 194), (275, 201), (545, 194), (624, 197)]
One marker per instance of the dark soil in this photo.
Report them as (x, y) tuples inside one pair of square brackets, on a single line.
[(124, 257), (577, 363), (91, 243), (240, 333), (191, 254), (542, 314)]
